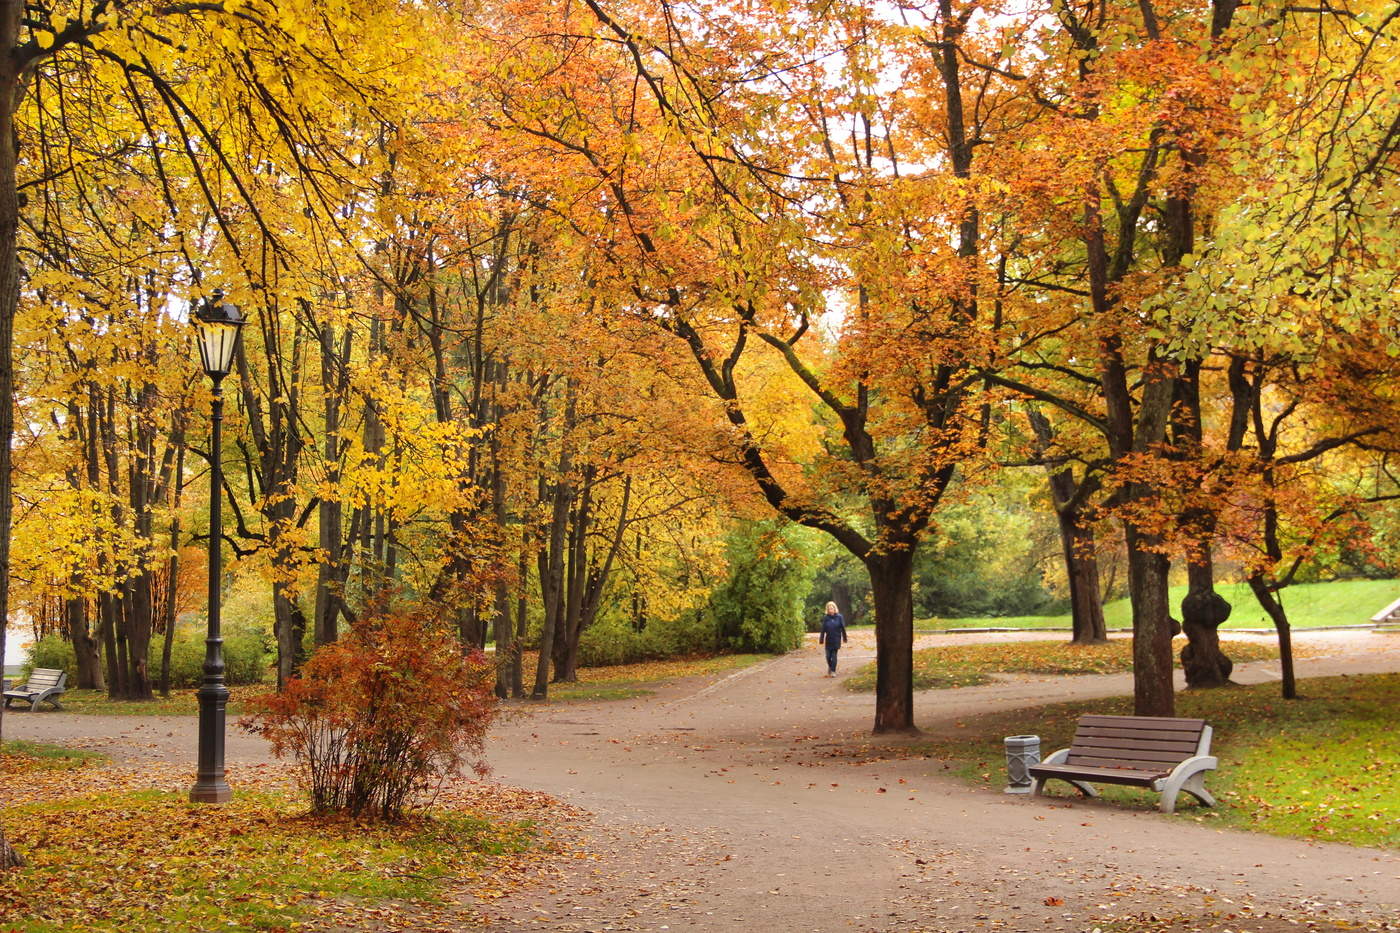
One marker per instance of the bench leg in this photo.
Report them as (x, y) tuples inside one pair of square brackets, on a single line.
[(1086, 790), (1193, 782)]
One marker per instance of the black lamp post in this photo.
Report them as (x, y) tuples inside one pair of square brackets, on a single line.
[(218, 323)]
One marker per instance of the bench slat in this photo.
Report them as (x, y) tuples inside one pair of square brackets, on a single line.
[(1150, 749), (1129, 754), (1129, 760), (1122, 732), (1156, 738), (1145, 722), (1128, 764), (1103, 775)]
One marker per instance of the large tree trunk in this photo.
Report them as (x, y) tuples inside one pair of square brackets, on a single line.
[(1202, 612), (11, 13), (331, 573), (892, 586), (86, 648), (1153, 691)]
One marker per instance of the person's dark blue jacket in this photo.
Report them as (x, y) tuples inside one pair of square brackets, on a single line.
[(833, 631)]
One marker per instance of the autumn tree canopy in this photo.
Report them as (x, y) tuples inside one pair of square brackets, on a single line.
[(546, 297)]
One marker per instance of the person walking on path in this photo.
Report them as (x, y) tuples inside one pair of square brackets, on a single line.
[(833, 635)]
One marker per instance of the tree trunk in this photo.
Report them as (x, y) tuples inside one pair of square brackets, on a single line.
[(331, 574), (1077, 541), (11, 13), (1202, 612), (1274, 607), (177, 485), (892, 586), (552, 589), (566, 653), (290, 623), (1082, 566), (1153, 691), (522, 605), (86, 647)]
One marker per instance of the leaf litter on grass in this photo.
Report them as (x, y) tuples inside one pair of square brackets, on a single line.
[(947, 666), (119, 847)]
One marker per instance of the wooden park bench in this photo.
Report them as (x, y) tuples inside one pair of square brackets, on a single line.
[(1167, 755), (44, 685)]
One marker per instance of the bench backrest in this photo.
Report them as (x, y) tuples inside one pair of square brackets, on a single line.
[(42, 678), (1144, 743)]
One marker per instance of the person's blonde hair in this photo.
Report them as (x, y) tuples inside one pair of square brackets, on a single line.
[(831, 609)]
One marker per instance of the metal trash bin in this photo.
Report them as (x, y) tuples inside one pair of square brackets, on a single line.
[(1022, 751)]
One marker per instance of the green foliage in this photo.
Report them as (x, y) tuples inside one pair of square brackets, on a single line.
[(53, 652), (759, 607), (380, 714), (987, 557), (836, 576), (246, 656), (612, 639)]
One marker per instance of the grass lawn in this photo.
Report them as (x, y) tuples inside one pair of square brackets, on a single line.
[(181, 702), (969, 665), (106, 850), (1309, 605), (1323, 767)]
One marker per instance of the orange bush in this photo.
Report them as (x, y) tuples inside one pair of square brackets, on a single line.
[(380, 715)]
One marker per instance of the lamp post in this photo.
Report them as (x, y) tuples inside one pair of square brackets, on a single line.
[(218, 323)]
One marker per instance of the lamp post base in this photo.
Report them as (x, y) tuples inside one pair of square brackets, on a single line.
[(211, 793)]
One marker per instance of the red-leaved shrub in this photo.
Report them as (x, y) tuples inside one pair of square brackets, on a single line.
[(380, 715)]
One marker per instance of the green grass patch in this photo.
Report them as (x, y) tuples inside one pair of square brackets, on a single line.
[(625, 681), (148, 860), (970, 665), (181, 702), (1322, 767), (1309, 605)]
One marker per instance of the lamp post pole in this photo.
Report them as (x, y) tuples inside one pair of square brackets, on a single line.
[(219, 324), (210, 786)]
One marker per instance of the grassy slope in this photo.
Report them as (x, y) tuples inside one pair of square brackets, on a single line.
[(1309, 605)]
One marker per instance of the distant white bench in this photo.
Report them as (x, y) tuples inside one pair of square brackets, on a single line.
[(1163, 754), (44, 686)]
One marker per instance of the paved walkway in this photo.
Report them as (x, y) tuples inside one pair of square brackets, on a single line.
[(725, 805)]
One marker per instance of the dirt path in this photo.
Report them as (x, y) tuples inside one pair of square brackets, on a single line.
[(717, 805)]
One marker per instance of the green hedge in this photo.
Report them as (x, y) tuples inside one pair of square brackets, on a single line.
[(246, 657)]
